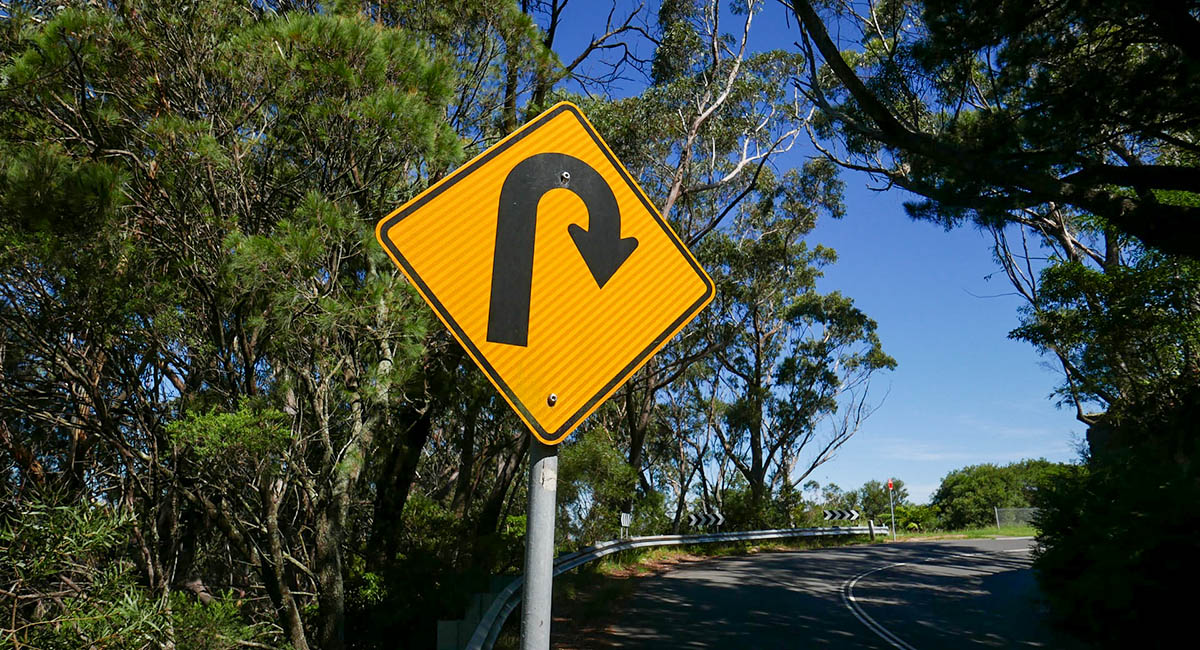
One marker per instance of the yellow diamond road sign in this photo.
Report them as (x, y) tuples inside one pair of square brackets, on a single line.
[(550, 266)]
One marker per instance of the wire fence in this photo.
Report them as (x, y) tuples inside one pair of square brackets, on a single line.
[(1007, 517)]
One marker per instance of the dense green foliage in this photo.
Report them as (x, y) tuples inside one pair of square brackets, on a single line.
[(967, 496), (199, 328), (912, 517), (1004, 111), (875, 502), (791, 357), (1126, 332), (71, 555), (226, 421), (594, 482), (73, 558), (203, 347)]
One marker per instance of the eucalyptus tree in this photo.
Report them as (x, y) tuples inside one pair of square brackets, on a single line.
[(793, 368), (876, 503), (198, 329), (189, 195), (508, 72), (1065, 129), (699, 139)]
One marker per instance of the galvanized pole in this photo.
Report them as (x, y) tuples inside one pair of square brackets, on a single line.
[(892, 504), (539, 547)]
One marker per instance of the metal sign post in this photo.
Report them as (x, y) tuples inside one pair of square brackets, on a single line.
[(539, 547), (892, 504)]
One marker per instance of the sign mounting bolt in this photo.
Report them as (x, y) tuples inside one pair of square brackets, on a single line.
[(553, 399), (565, 177)]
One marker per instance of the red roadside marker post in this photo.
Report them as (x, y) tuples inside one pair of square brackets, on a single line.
[(892, 504)]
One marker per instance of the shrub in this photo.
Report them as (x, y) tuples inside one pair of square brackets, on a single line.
[(73, 586), (916, 517), (967, 496)]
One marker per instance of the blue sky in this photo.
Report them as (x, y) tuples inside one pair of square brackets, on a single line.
[(963, 393)]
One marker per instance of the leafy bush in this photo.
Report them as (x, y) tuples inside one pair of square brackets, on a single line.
[(249, 431), (594, 482), (967, 497), (874, 501), (71, 585), (217, 625), (431, 578), (740, 510), (916, 518), (650, 515)]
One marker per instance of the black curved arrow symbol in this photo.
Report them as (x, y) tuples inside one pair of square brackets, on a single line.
[(601, 245)]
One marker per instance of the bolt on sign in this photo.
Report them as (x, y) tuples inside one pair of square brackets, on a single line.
[(550, 266)]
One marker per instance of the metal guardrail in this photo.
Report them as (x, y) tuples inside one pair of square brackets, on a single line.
[(510, 596)]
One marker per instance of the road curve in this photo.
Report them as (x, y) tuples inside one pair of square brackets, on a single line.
[(907, 596)]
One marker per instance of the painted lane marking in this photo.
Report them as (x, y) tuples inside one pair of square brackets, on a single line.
[(863, 617)]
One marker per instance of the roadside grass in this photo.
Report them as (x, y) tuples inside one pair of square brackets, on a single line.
[(644, 561), (967, 533)]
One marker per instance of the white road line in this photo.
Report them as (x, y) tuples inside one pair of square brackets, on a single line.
[(863, 617), (873, 625)]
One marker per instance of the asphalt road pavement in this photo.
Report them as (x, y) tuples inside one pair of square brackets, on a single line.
[(906, 596)]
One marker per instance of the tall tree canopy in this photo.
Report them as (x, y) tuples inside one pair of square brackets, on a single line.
[(244, 422), (1069, 130), (998, 111), (198, 327)]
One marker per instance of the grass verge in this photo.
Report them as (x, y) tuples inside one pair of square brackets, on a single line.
[(969, 533)]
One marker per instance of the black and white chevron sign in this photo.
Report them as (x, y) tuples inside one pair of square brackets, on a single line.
[(705, 519), (841, 514)]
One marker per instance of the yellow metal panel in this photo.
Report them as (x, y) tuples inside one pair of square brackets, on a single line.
[(584, 340)]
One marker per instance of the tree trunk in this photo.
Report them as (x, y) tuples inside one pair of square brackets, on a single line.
[(638, 421), (275, 573), (331, 612), (393, 486), (489, 518), (463, 488)]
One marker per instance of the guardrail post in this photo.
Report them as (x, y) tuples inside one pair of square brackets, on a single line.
[(539, 547), (871, 528)]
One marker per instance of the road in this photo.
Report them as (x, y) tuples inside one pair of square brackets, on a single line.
[(906, 596)]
